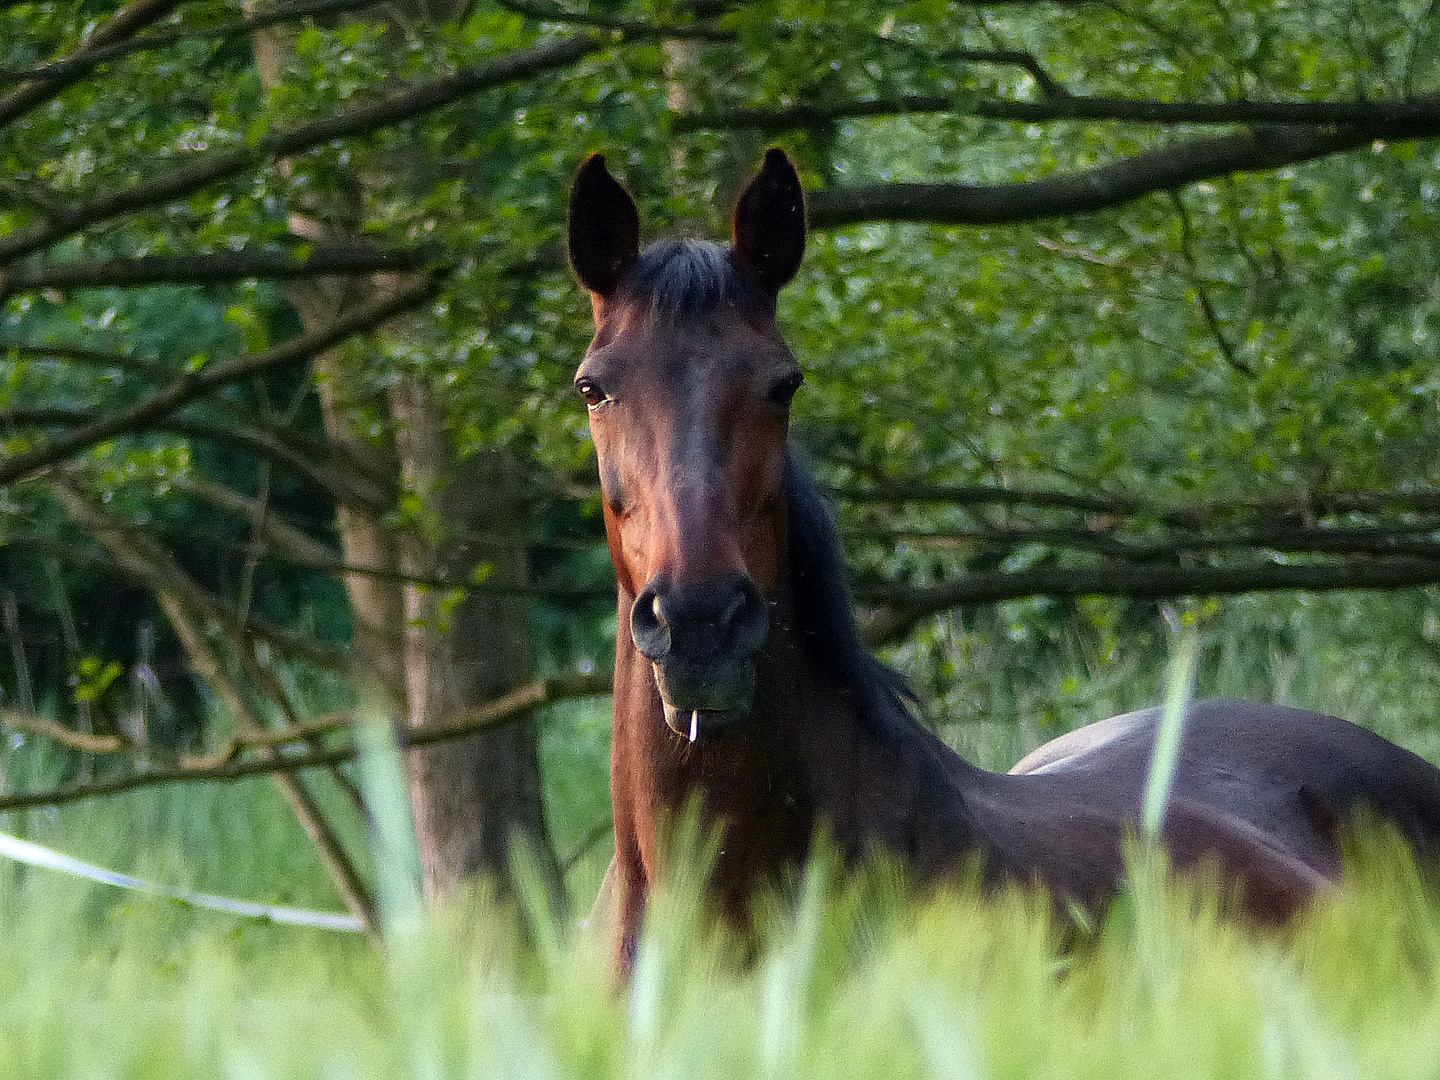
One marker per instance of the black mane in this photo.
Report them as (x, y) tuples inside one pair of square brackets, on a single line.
[(827, 621), (682, 279)]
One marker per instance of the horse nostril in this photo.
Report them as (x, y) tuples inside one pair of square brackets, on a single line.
[(648, 624), (747, 620)]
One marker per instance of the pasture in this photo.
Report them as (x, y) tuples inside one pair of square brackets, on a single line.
[(852, 978)]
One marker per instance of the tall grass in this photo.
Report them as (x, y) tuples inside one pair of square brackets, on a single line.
[(849, 975), (849, 979)]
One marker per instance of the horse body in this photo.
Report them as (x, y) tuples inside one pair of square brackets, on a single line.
[(1295, 774), (743, 680)]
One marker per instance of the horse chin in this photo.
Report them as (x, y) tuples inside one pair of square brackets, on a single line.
[(695, 724), (703, 701)]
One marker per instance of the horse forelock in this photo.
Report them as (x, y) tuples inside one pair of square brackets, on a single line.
[(679, 280), (826, 617)]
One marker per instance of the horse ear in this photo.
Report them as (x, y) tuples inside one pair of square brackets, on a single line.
[(769, 226), (604, 228)]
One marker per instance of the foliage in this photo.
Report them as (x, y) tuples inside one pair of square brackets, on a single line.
[(1083, 360)]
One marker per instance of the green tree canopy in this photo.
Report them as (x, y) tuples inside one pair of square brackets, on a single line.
[(1102, 299)]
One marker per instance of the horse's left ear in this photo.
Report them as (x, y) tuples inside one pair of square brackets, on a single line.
[(769, 226)]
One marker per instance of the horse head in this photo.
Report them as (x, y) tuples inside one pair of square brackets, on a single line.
[(688, 384)]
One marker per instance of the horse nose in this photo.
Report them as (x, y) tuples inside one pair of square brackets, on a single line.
[(716, 621)]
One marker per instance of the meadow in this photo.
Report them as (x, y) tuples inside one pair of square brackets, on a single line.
[(851, 975)]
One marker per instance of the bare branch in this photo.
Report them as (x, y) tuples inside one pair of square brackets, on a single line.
[(303, 261), (94, 357), (148, 576), (294, 542), (1202, 291), (1082, 192), (511, 707), (901, 607), (25, 722), (187, 606), (593, 835), (1306, 506), (283, 641), (1411, 118), (24, 692), (303, 458), (982, 495), (346, 478), (1390, 539), (1015, 57), (212, 377)]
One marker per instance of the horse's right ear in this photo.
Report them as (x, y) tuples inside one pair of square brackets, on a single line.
[(604, 228)]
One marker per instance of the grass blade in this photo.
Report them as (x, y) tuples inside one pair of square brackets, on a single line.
[(1172, 725)]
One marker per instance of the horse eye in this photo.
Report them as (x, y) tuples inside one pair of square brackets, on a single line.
[(783, 391), (592, 393)]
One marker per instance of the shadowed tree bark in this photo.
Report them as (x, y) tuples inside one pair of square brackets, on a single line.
[(472, 797)]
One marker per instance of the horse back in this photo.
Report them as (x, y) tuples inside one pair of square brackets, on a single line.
[(1293, 774)]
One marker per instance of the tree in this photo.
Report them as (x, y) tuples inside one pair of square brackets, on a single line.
[(1102, 299)]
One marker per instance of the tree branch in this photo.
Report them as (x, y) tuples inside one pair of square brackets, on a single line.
[(984, 495), (268, 444), (202, 169), (279, 639), (511, 707), (152, 577), (347, 478), (26, 723), (901, 607), (1303, 505), (210, 378), (1397, 539), (85, 63), (182, 601), (1013, 57), (125, 24), (302, 261), (294, 542), (553, 13), (1412, 118), (1202, 291), (1088, 191)]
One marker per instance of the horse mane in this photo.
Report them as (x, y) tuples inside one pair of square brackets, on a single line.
[(826, 618), (679, 280)]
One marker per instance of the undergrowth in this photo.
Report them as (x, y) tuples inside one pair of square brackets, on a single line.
[(851, 978)]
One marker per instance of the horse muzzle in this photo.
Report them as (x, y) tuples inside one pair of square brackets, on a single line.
[(701, 642)]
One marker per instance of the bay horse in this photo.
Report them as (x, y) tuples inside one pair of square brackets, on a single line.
[(741, 677)]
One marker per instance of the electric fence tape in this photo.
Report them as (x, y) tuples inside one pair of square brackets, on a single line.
[(34, 855)]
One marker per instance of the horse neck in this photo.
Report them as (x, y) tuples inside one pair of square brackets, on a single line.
[(804, 756)]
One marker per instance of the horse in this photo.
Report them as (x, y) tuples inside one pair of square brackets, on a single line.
[(741, 677)]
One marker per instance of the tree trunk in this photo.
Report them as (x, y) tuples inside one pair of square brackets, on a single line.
[(472, 796)]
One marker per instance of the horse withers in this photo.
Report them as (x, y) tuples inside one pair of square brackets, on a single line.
[(740, 676)]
